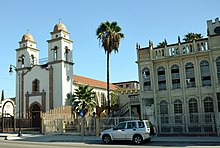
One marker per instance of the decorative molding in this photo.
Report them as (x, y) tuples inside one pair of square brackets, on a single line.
[(42, 103)]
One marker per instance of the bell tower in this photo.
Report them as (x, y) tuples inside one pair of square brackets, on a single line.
[(27, 55), (60, 60)]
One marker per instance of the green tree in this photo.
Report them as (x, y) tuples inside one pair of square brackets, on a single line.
[(162, 44), (192, 36), (109, 36), (114, 99), (83, 99)]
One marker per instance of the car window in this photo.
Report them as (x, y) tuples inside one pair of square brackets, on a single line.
[(141, 124), (131, 125), (120, 126), (148, 124)]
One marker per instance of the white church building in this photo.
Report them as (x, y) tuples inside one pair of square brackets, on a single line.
[(44, 87)]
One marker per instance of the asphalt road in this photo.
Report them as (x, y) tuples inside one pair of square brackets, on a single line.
[(95, 144)]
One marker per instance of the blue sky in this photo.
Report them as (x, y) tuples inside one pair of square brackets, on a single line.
[(140, 20)]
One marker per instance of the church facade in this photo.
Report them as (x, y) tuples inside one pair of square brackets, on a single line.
[(41, 87), (180, 84)]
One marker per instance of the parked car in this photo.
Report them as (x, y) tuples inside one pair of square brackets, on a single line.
[(132, 130)]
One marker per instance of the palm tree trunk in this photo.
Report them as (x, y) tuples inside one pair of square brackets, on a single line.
[(108, 82)]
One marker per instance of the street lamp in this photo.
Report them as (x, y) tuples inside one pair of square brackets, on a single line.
[(19, 110)]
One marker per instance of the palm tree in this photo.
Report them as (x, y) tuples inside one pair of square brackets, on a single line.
[(162, 44), (192, 36), (83, 99), (109, 35)]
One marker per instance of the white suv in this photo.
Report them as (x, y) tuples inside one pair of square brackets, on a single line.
[(133, 130)]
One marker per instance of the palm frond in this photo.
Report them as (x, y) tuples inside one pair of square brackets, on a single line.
[(109, 35), (83, 98)]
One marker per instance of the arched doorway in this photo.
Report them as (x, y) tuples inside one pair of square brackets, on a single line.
[(35, 115)]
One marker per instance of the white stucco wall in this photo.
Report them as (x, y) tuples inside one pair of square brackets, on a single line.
[(43, 76), (35, 99)]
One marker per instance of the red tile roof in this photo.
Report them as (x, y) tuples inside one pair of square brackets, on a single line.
[(92, 82)]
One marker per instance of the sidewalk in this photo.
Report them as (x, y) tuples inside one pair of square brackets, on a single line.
[(190, 139), (76, 138), (48, 138)]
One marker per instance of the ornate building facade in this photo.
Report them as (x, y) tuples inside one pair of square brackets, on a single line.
[(180, 84)]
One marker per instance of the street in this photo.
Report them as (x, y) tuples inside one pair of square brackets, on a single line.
[(99, 144)]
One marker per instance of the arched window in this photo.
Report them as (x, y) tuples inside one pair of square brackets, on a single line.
[(190, 75), (146, 79), (193, 106), (178, 110), (161, 78), (205, 73), (32, 60), (218, 68), (163, 107), (193, 110), (55, 50), (175, 76), (208, 105), (178, 106), (67, 53), (164, 112), (21, 60), (35, 85), (209, 110)]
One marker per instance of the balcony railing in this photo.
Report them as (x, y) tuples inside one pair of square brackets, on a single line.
[(181, 49), (206, 83), (161, 77), (190, 74), (175, 75), (162, 86), (176, 86), (191, 84), (146, 88)]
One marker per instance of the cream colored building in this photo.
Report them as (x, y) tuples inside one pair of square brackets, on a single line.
[(180, 84)]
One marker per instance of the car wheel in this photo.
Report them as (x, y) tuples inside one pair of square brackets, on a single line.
[(137, 139), (106, 139)]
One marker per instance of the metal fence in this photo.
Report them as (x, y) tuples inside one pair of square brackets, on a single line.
[(190, 124), (10, 124)]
